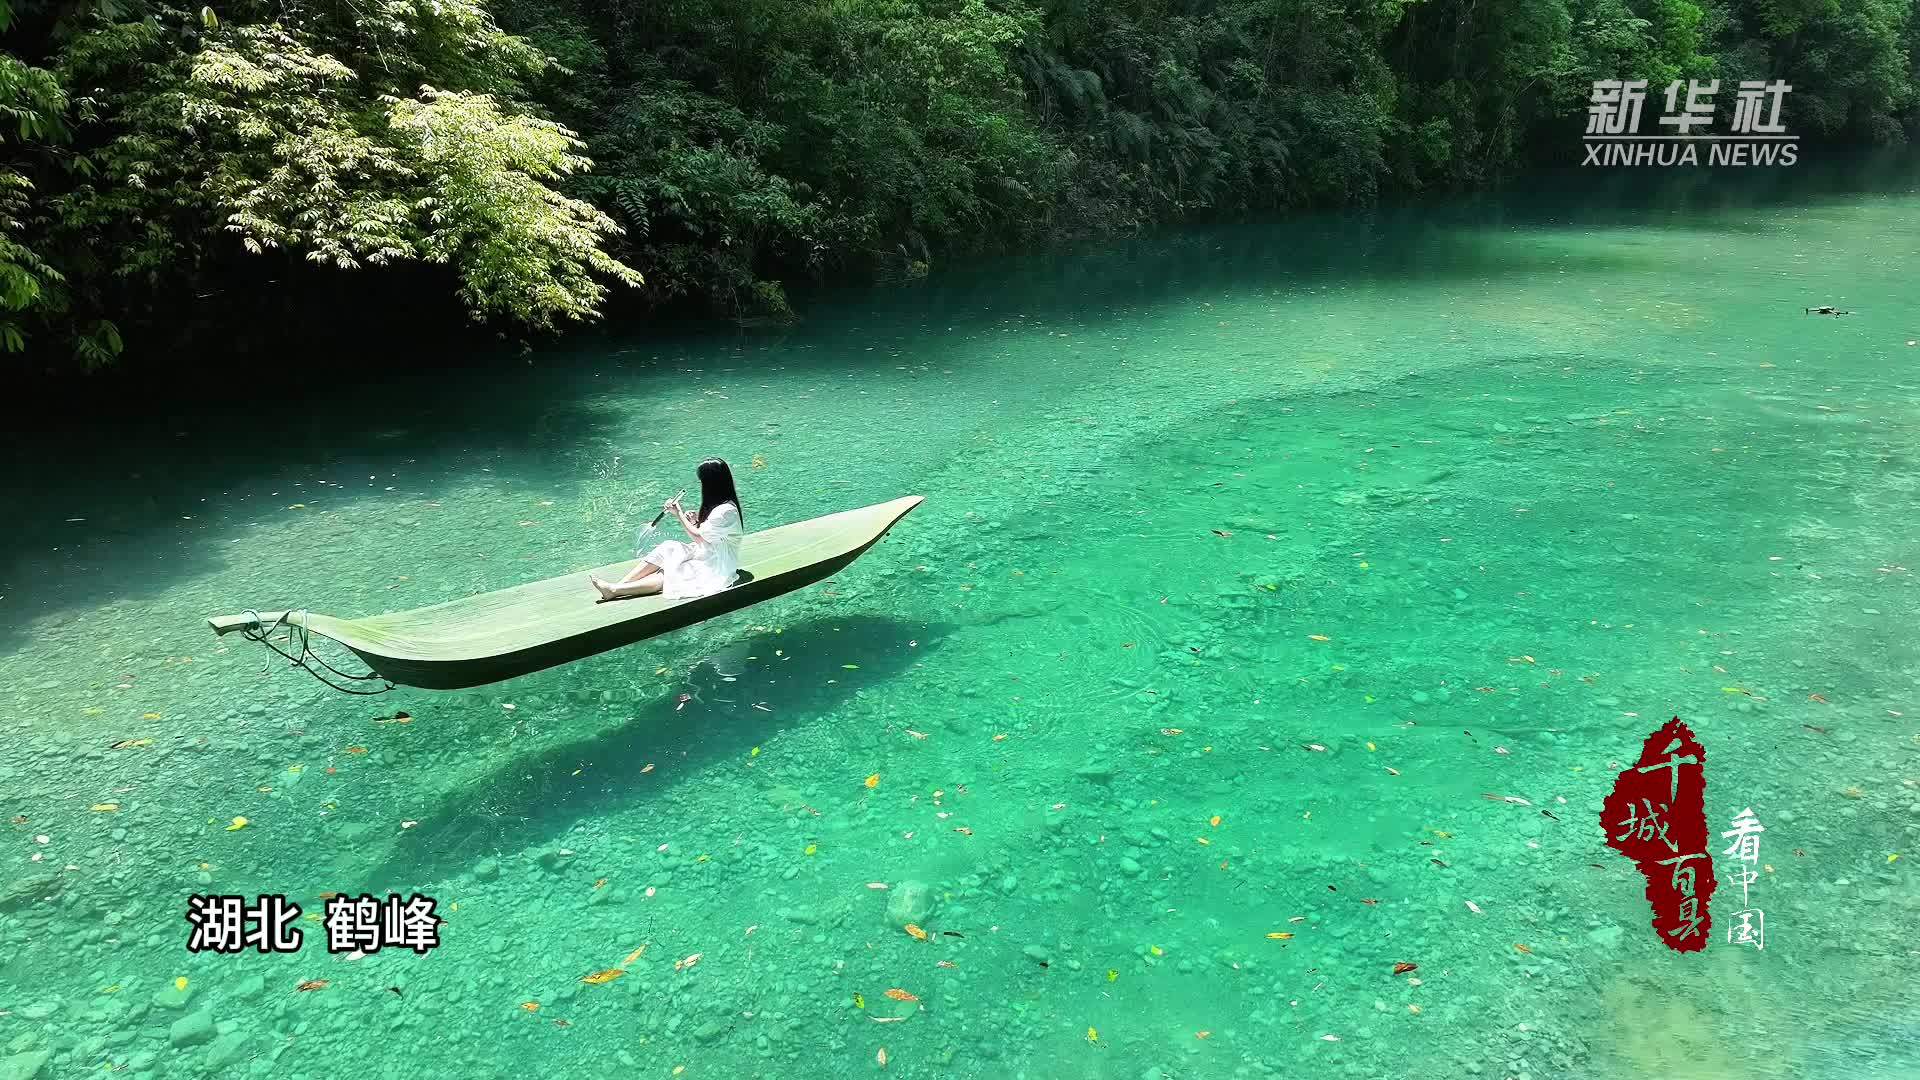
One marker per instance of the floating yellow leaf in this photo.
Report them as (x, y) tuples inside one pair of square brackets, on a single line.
[(898, 994), (811, 848), (238, 824), (600, 978), (1370, 745), (755, 752), (150, 716), (874, 780), (859, 1000), (851, 667), (1214, 821), (1318, 637), (1113, 975), (1524, 949), (530, 1006), (105, 807), (1156, 950), (1093, 1035), (916, 932), (180, 983), (1279, 935)]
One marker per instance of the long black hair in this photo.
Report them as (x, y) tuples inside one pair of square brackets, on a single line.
[(716, 488)]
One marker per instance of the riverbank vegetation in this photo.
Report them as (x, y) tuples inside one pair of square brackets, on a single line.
[(221, 178)]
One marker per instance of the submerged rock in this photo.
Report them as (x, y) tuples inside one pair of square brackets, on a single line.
[(909, 902), (26, 1066), (192, 1030)]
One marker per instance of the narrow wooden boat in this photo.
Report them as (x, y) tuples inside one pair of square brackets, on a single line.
[(527, 628)]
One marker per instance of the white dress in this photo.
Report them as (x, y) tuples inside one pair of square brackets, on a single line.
[(704, 566)]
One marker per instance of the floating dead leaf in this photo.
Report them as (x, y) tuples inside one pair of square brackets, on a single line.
[(1523, 948), (881, 1057), (530, 1006), (1173, 731), (1403, 967), (311, 985), (1315, 747), (1214, 821), (601, 884), (873, 781), (104, 807), (945, 964), (1475, 908), (356, 749), (963, 830), (1222, 533), (1203, 1034), (1414, 1009), (1514, 799), (1817, 697), (600, 978), (129, 744), (916, 734), (1318, 637), (646, 769), (886, 1019), (898, 994), (687, 964), (1280, 935), (915, 932), (1392, 770), (238, 824)]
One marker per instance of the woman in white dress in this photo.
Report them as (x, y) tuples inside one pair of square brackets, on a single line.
[(707, 561)]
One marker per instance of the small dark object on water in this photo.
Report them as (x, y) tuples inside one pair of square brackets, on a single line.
[(952, 933), (1332, 889), (1826, 311), (1550, 814), (395, 989), (1438, 863), (1044, 964), (1810, 727)]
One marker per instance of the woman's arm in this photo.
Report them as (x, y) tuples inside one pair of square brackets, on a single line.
[(687, 523)]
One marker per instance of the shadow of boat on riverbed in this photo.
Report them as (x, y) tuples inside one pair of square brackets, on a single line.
[(526, 805)]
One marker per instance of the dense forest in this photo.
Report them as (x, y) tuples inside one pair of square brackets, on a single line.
[(179, 178)]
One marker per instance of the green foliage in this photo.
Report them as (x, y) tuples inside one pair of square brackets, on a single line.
[(150, 154)]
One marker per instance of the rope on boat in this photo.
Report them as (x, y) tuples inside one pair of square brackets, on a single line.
[(298, 631)]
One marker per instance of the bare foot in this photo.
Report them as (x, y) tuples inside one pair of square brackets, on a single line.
[(605, 590)]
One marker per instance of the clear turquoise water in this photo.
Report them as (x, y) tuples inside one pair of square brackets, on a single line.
[(1594, 430)]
